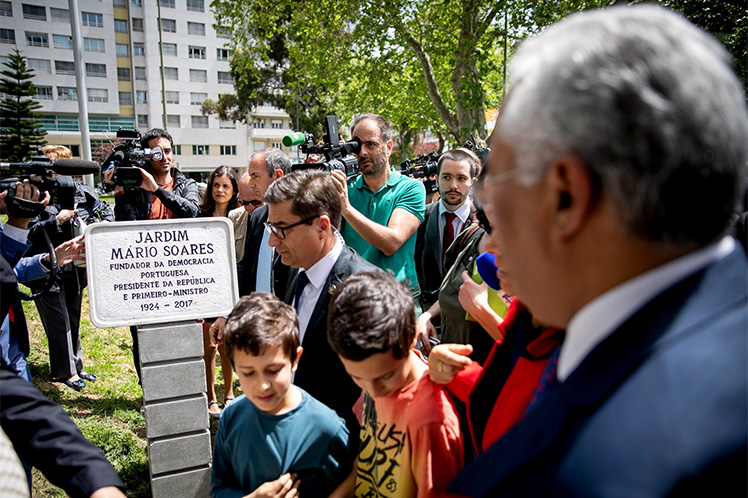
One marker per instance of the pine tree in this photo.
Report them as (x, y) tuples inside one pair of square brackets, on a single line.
[(21, 132)]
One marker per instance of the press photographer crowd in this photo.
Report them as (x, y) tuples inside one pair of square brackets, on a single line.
[(566, 316)]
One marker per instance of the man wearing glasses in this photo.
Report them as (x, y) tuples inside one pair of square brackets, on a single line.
[(303, 219)]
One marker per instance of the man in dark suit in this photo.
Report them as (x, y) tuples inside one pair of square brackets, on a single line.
[(445, 219), (304, 213), (615, 166)]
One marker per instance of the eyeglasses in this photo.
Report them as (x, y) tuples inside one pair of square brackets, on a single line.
[(254, 203), (501, 177), (280, 232)]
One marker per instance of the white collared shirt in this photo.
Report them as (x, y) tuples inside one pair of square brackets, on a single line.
[(604, 314), (317, 276), (264, 276), (462, 214)]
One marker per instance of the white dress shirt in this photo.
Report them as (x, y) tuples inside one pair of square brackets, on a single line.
[(604, 314), (264, 277)]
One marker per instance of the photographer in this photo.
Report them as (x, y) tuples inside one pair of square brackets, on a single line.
[(164, 193)]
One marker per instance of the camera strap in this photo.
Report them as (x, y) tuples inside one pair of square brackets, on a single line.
[(23, 208)]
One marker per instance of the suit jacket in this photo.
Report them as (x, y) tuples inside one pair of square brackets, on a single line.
[(429, 264), (320, 372), (246, 269), (658, 408)]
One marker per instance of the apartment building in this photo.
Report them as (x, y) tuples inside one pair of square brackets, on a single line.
[(123, 76)]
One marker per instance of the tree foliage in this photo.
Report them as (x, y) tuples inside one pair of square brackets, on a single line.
[(21, 132), (425, 65)]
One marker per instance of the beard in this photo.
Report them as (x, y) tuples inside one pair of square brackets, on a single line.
[(453, 202)]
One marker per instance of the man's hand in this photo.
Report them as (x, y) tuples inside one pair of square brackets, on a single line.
[(69, 251), (27, 191), (108, 492), (149, 183), (424, 330), (446, 360), (341, 183), (216, 331), (286, 486), (473, 297), (66, 215)]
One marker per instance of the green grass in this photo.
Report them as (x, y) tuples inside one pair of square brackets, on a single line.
[(106, 411)]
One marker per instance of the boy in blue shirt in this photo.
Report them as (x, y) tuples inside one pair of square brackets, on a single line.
[(275, 440)]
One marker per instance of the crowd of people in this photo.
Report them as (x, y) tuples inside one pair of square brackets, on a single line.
[(603, 352)]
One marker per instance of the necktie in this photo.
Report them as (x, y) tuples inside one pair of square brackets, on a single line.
[(301, 282), (449, 232), (548, 381)]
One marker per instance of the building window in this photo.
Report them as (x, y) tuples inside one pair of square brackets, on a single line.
[(173, 121), (200, 150), (168, 25), (139, 73), (62, 41), (96, 70), (136, 3), (228, 150), (122, 50), (120, 4), (40, 65), (138, 49), (123, 74), (171, 73), (172, 98), (67, 93), (169, 4), (277, 145), (59, 15), (93, 20), (64, 67), (196, 5), (225, 77), (177, 149), (93, 45), (223, 32), (199, 75), (196, 28), (226, 124), (98, 95), (197, 52), (44, 92), (120, 26), (6, 9), (258, 123), (170, 49), (141, 97), (197, 98), (125, 98), (36, 39), (8, 36), (223, 54), (34, 12), (276, 124), (143, 120), (199, 121), (137, 24)]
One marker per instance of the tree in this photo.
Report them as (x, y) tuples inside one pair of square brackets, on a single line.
[(21, 132)]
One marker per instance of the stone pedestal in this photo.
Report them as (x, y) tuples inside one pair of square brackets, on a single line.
[(176, 409)]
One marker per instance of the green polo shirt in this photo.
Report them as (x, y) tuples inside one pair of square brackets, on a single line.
[(399, 192)]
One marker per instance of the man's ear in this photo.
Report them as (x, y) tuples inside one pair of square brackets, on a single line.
[(295, 365), (389, 146), (573, 194), (278, 173), (324, 225)]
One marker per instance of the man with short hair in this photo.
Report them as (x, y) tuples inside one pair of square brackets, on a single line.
[(612, 178), (304, 213), (382, 209), (165, 193), (456, 172), (240, 216)]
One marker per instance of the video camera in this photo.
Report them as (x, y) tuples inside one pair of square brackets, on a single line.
[(39, 172), (338, 155), (127, 157)]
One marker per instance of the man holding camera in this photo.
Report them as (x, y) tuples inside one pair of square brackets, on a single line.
[(164, 193), (382, 209)]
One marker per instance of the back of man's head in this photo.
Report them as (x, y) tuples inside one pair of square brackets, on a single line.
[(259, 321), (275, 160), (371, 313), (311, 193), (156, 133), (652, 107)]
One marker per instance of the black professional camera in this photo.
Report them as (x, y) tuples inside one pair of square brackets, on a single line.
[(39, 172), (127, 157), (338, 155)]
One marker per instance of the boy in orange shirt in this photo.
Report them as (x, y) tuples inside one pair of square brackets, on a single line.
[(410, 440)]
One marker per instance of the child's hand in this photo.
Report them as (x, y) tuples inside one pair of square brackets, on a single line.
[(286, 486)]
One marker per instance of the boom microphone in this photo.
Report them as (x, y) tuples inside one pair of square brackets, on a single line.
[(73, 167)]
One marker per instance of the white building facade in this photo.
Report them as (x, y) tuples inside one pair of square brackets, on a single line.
[(124, 76)]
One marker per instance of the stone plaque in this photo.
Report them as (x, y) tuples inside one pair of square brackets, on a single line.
[(159, 271)]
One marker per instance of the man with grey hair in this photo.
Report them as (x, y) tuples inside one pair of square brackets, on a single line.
[(616, 163)]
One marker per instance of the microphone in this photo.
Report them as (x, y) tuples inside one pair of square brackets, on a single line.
[(297, 138), (75, 167)]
